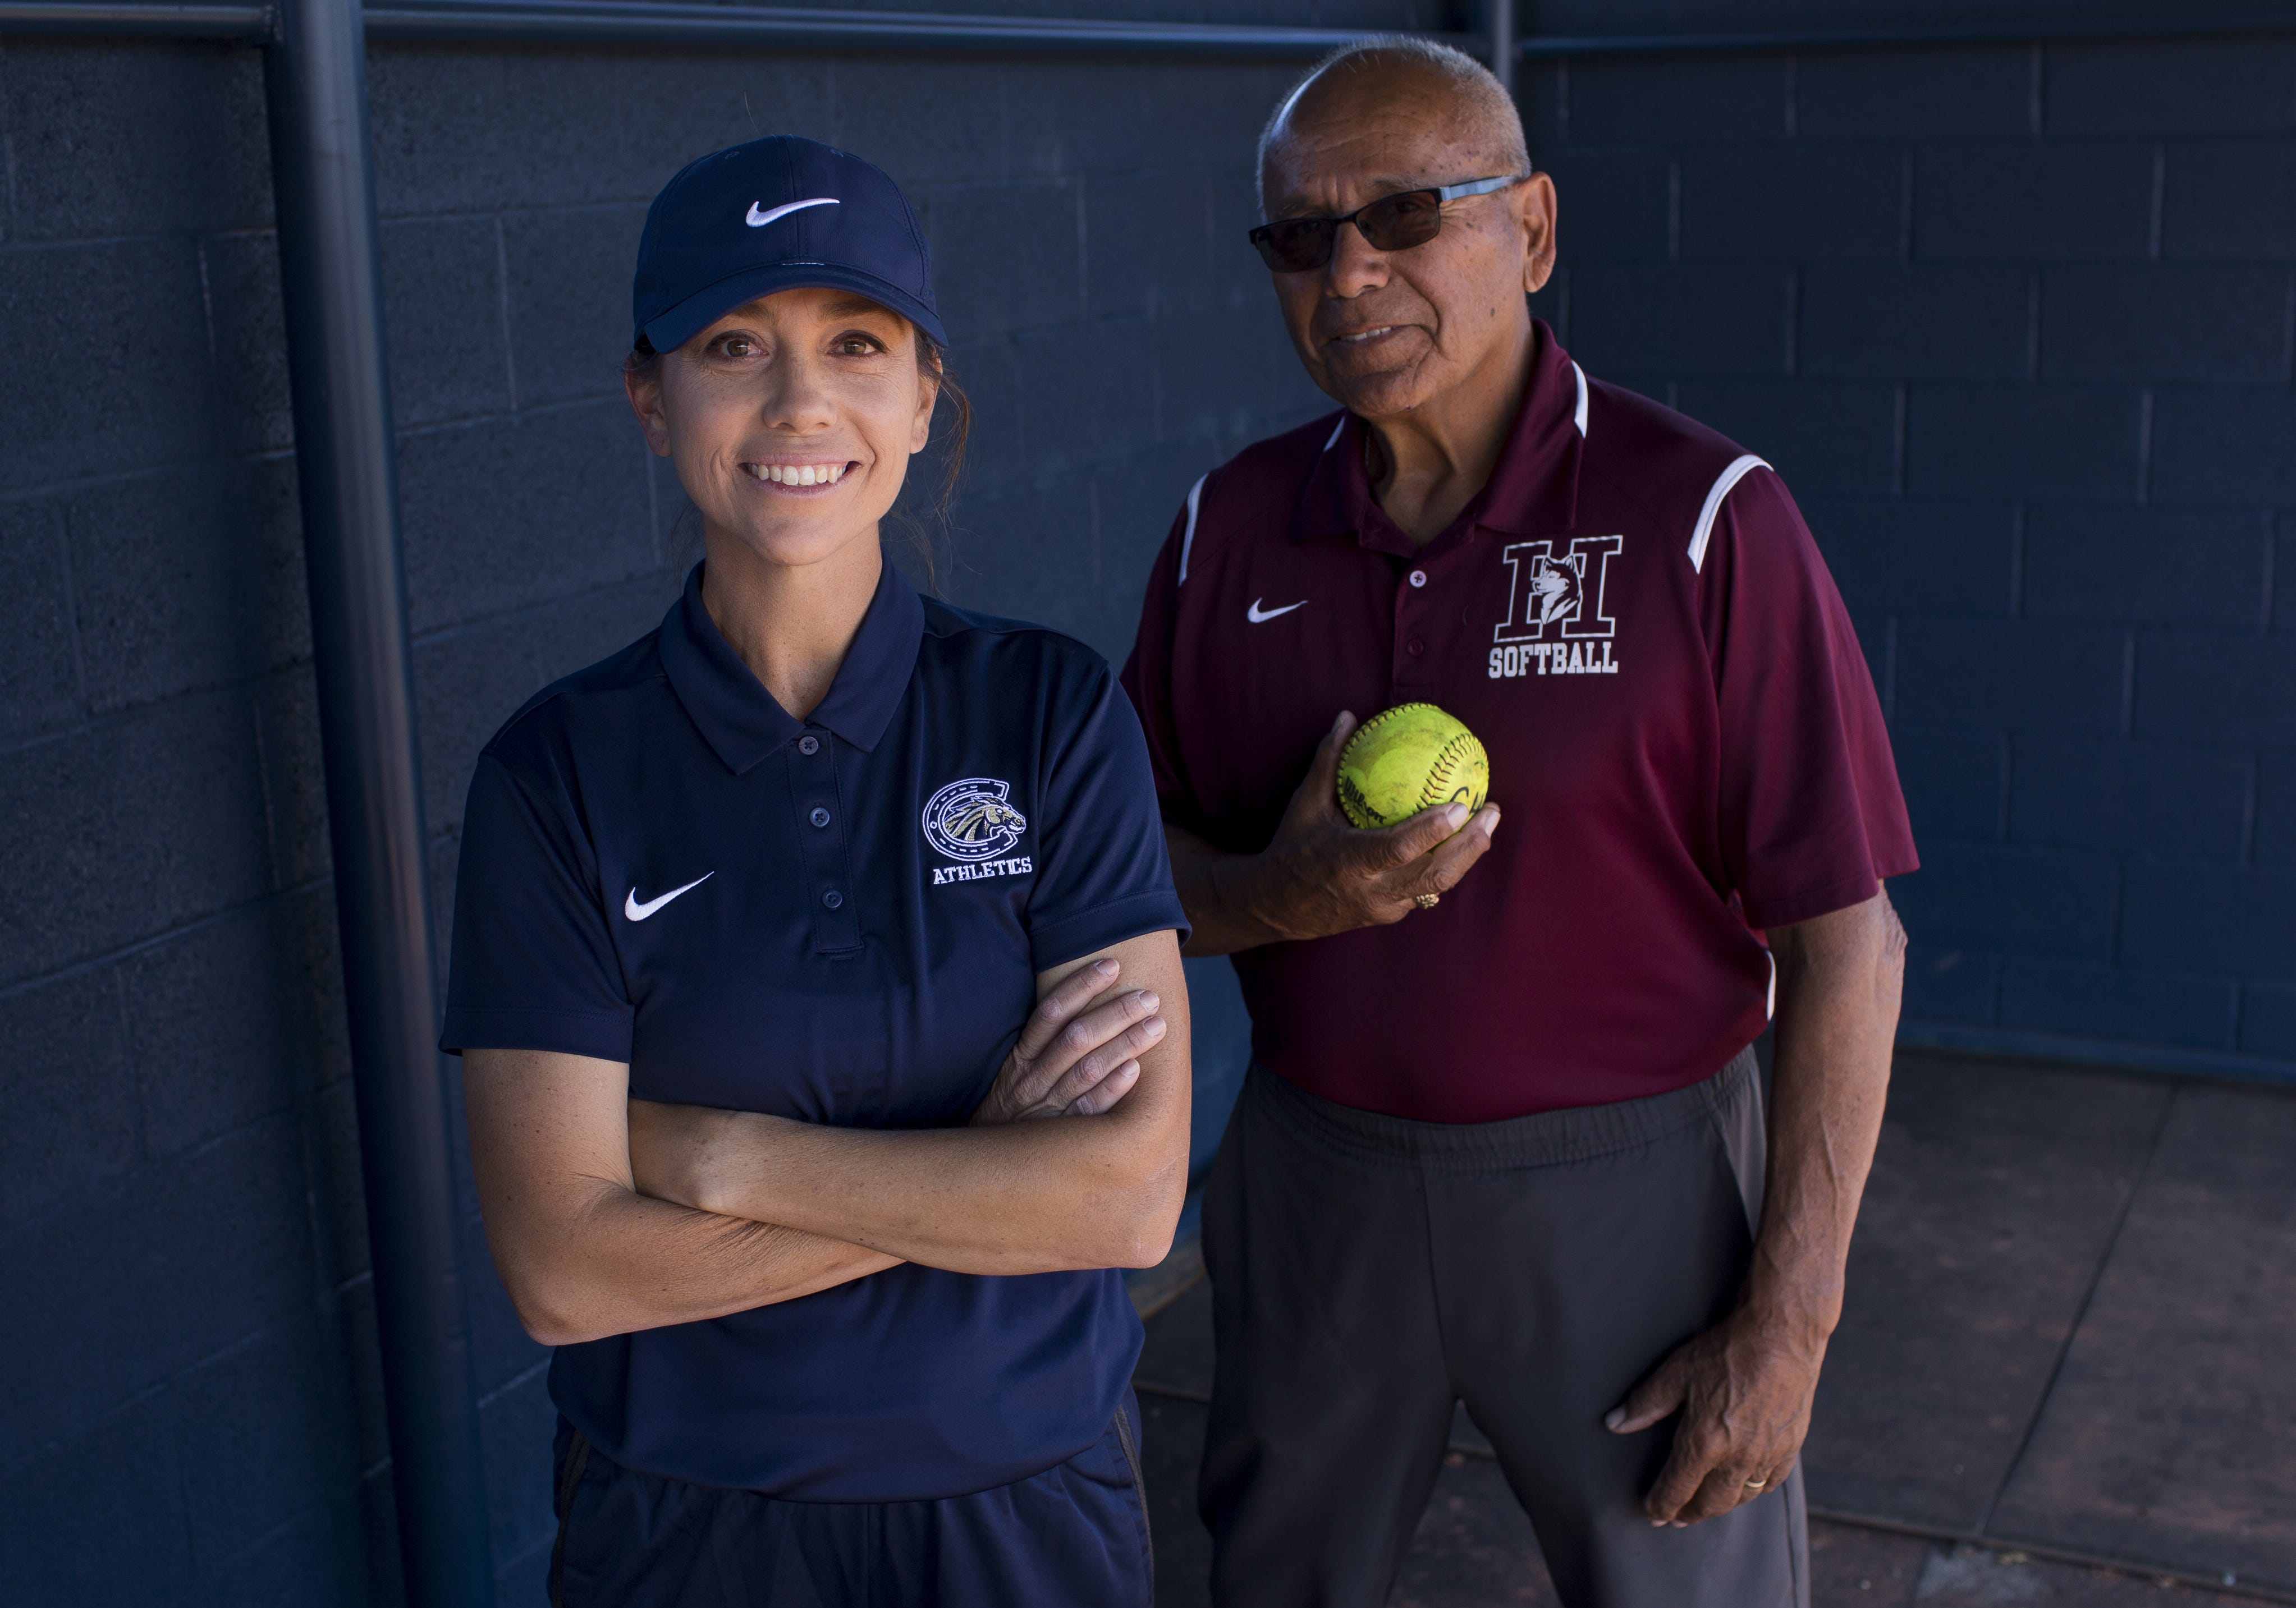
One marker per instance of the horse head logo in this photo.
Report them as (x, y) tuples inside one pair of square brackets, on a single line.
[(973, 819)]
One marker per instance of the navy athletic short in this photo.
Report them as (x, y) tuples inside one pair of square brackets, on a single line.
[(1077, 1533)]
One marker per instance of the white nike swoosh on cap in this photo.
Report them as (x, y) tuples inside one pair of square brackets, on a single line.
[(759, 220), (1259, 616), (639, 912)]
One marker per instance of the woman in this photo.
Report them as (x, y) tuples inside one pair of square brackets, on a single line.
[(752, 918)]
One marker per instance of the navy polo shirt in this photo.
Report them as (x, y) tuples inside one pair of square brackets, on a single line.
[(837, 920)]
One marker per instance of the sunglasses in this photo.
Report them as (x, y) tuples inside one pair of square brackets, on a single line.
[(1393, 223)]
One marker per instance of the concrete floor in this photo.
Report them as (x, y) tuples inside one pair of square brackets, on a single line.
[(2064, 1375)]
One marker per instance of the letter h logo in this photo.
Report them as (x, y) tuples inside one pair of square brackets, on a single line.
[(1565, 592)]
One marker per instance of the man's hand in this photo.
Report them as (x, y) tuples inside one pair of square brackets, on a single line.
[(1320, 875), (1744, 1387), (1079, 1051), (1744, 1391)]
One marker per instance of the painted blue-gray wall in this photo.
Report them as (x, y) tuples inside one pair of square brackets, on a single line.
[(193, 1413), (2015, 326)]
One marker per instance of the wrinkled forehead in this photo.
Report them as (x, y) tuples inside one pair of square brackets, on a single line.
[(1351, 138)]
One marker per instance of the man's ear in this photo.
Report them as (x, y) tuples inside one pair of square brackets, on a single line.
[(645, 392), (1537, 213)]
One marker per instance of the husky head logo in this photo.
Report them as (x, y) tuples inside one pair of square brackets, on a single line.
[(973, 819), (1555, 589)]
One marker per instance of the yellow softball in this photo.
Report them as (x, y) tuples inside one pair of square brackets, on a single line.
[(1403, 759)]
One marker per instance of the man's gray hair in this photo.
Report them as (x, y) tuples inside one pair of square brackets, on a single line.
[(1484, 104)]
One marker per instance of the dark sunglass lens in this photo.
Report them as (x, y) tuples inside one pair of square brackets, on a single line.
[(1295, 244), (1396, 223)]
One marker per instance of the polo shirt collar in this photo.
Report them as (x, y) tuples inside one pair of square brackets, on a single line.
[(739, 718), (1534, 487)]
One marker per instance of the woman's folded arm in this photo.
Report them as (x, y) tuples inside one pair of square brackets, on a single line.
[(607, 1214), (1082, 1191), (582, 1253)]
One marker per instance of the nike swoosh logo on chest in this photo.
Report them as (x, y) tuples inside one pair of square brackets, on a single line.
[(638, 911)]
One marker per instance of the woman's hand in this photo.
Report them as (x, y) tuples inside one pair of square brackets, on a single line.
[(997, 1196), (1079, 1052)]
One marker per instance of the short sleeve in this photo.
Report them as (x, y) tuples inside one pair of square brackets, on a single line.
[(1101, 874), (533, 965), (1148, 682), (1811, 816)]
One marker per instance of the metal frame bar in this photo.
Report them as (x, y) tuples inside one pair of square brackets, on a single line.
[(625, 22), (1500, 51), (230, 24), (2083, 31), (322, 189), (635, 22)]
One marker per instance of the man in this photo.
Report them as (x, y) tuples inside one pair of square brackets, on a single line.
[(1504, 1142)]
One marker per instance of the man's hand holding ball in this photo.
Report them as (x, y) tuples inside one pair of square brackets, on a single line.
[(1322, 874)]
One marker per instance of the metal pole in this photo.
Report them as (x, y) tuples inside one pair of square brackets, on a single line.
[(677, 24), (666, 23), (1505, 51), (324, 192), (164, 19)]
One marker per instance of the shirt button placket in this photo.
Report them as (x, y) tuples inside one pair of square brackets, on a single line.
[(1412, 675), (821, 838)]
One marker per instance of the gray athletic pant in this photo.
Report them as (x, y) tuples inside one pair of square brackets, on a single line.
[(1369, 1273)]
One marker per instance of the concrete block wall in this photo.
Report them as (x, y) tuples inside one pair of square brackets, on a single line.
[(2016, 324), (2056, 522), (190, 1412), (193, 1414)]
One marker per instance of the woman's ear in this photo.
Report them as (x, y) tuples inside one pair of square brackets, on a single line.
[(928, 394), (643, 388)]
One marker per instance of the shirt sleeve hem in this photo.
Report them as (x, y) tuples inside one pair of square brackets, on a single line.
[(1813, 902), (601, 1035), (1106, 924)]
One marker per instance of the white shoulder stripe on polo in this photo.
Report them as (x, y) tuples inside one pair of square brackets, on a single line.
[(1738, 471), (1580, 417), (1188, 541), (1336, 429)]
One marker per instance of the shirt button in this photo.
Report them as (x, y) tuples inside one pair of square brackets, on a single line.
[(832, 899), (1419, 577), (1417, 647), (820, 816), (808, 744)]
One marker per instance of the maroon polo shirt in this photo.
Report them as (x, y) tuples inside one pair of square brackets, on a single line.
[(1684, 741)]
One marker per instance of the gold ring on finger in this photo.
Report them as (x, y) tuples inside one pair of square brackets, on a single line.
[(1756, 1484), (1427, 902)]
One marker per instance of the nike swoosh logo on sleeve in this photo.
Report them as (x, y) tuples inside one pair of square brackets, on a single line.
[(759, 220), (1261, 616), (636, 911)]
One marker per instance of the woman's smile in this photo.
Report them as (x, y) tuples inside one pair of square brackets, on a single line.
[(814, 478)]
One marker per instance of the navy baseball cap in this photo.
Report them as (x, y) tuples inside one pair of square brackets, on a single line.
[(776, 213)]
